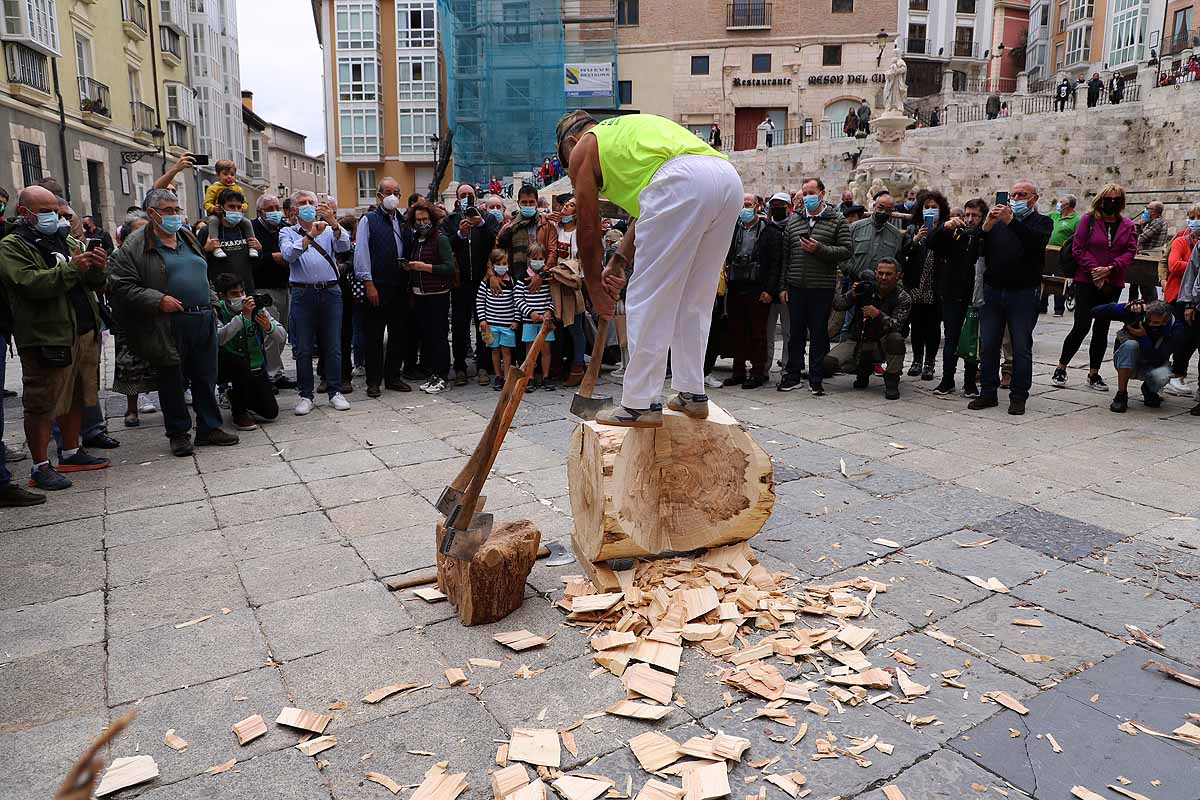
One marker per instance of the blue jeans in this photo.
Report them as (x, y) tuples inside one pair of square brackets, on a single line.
[(809, 311), (316, 316), (358, 337), (195, 334), (1017, 310), (578, 340), (1128, 355)]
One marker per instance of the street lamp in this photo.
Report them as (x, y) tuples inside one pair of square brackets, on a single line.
[(881, 39), (282, 191), (435, 143)]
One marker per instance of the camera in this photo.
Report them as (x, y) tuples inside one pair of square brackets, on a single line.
[(864, 293), (1135, 315), (262, 301)]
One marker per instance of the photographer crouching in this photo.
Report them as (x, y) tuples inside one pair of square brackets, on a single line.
[(245, 331), (1143, 348), (875, 330)]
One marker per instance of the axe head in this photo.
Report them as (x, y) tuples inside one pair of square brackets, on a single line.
[(450, 498), (586, 408), (462, 542)]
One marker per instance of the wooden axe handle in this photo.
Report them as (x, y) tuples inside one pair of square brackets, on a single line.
[(588, 384)]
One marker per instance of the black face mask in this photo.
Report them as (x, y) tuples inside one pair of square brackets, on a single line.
[(779, 214), (881, 217), (1110, 205), (423, 229)]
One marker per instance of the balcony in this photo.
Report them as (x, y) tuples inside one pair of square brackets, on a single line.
[(28, 73), (966, 49), (170, 45), (1180, 41), (916, 47), (144, 126), (94, 102), (133, 18), (744, 15), (254, 169)]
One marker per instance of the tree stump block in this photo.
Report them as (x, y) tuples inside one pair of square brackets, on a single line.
[(693, 483), (491, 585)]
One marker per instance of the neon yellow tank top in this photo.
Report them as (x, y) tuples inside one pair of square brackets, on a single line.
[(633, 147)]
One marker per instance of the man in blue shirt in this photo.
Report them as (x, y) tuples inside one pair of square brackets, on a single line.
[(310, 247)]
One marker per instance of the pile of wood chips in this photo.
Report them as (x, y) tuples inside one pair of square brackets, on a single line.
[(715, 602)]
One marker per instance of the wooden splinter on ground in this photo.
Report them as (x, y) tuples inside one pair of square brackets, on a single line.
[(693, 483)]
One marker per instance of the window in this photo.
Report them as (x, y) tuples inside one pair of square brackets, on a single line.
[(416, 126), (31, 162), (516, 23), (843, 6), (170, 41), (358, 78), (366, 187), (1058, 57), (625, 92), (83, 56), (179, 135), (416, 78), (32, 22), (831, 55), (1128, 31), (964, 46), (699, 65), (416, 23), (255, 155), (917, 43), (171, 12), (358, 130), (1082, 9), (1179, 29), (760, 62), (918, 5), (357, 24), (965, 7), (181, 103), (1045, 15), (27, 66), (1062, 15), (627, 12), (1079, 45)]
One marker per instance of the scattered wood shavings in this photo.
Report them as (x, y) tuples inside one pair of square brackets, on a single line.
[(317, 745), (304, 720), (573, 787), (384, 781), (508, 780), (1084, 793), (249, 729), (174, 742), (1053, 743), (520, 640), (225, 766), (125, 772), (629, 708), (195, 621), (1029, 623), (488, 663), (429, 594), (1008, 701), (892, 792), (1145, 638), (1182, 677), (455, 676), (980, 543), (537, 746), (1121, 790), (385, 692), (991, 584)]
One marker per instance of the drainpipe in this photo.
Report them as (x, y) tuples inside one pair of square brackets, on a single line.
[(162, 148), (62, 131)]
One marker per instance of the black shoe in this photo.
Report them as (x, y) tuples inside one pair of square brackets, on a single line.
[(980, 403), (1016, 407), (891, 387), (397, 386), (1152, 400), (11, 393), (753, 383), (1059, 378), (531, 386), (323, 387), (914, 370), (373, 390), (862, 381), (1195, 412), (181, 445), (725, 384), (548, 385), (787, 385), (1096, 383), (927, 373), (970, 391), (945, 387), (1120, 403), (497, 384), (460, 377), (13, 496), (284, 382), (817, 389), (216, 438), (101, 441)]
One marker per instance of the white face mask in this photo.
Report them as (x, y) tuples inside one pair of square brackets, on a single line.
[(391, 202)]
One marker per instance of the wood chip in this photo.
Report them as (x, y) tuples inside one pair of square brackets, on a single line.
[(1008, 701), (385, 692), (534, 791), (657, 790), (892, 792), (455, 676), (304, 720), (520, 640), (704, 783), (1028, 623), (429, 594), (980, 543), (195, 621), (174, 742), (855, 637), (615, 639), (654, 750), (698, 602), (249, 729), (662, 655), (649, 682), (1121, 790), (1084, 793), (1053, 743), (885, 542), (440, 785), (1145, 638), (125, 772), (489, 663), (786, 783), (1035, 658), (885, 748), (720, 746), (317, 745), (573, 787), (508, 780), (629, 708), (537, 746), (991, 584), (384, 781), (595, 602), (907, 685), (224, 766), (1182, 677)]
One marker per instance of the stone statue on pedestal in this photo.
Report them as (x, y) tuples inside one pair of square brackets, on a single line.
[(895, 85)]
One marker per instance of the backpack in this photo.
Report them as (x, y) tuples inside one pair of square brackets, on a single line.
[(1066, 255)]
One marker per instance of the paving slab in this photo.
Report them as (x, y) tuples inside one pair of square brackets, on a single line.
[(283, 775), (221, 459), (393, 552), (56, 625), (263, 504), (279, 534), (46, 753), (945, 775), (1108, 512), (987, 627), (1169, 572), (501, 493), (348, 489), (821, 495), (415, 452), (131, 527), (882, 478), (131, 563), (247, 479), (174, 599), (154, 490), (50, 686), (1182, 639), (336, 465), (297, 449), (1100, 601), (1056, 536), (164, 658), (301, 626), (83, 504), (203, 715), (1010, 563), (38, 565), (301, 572), (1094, 752), (817, 546), (957, 504), (915, 589), (887, 518), (386, 514)]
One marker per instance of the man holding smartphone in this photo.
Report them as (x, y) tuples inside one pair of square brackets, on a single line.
[(472, 235), (1013, 244)]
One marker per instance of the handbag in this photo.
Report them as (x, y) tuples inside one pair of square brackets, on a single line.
[(358, 289), (53, 356), (968, 338)]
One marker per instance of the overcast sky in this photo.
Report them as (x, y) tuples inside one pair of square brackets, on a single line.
[(281, 64)]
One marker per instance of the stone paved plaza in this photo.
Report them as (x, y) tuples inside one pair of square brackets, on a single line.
[(284, 540)]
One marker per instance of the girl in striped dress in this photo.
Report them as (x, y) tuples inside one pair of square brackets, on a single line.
[(496, 310), (534, 304)]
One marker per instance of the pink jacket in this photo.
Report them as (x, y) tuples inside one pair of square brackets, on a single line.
[(1091, 249)]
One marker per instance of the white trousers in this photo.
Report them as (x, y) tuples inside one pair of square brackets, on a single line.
[(689, 210)]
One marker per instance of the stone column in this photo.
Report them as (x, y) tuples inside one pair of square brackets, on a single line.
[(762, 139), (947, 82), (1022, 82), (1147, 75)]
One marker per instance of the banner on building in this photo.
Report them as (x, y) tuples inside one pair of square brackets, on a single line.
[(588, 80)]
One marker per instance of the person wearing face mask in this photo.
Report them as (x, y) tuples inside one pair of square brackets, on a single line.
[(875, 237), (751, 278), (815, 241), (1013, 246), (472, 235), (1152, 237), (226, 233), (957, 244), (1104, 247), (160, 280), (56, 329), (1142, 349), (1179, 260), (1065, 218), (244, 334), (779, 208), (922, 266), (382, 241), (566, 286), (431, 273), (270, 273), (525, 228)]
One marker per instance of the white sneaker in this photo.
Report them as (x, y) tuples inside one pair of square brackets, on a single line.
[(146, 405), (711, 382), (304, 406), (617, 374), (219, 252), (339, 402), (434, 386), (1177, 387), (253, 253)]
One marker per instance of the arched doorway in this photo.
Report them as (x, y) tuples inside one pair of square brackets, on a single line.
[(835, 115)]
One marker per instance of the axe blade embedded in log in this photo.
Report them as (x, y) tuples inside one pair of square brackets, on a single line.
[(464, 530), (584, 405)]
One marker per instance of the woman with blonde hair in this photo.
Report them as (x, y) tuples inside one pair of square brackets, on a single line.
[(1103, 246)]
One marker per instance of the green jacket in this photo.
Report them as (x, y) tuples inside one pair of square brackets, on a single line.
[(42, 311), (817, 270), (137, 282), (870, 243), (1064, 227)]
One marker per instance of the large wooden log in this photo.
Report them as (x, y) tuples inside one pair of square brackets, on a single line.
[(687, 485), (491, 585)]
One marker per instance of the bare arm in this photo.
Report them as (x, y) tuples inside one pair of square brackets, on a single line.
[(584, 170), (167, 178)]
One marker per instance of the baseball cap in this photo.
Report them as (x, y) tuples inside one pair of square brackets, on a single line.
[(783, 196)]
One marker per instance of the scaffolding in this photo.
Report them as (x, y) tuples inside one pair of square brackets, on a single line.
[(505, 63)]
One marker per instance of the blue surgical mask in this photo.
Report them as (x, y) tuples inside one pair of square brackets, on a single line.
[(496, 214), (234, 217), (1020, 207), (171, 223), (500, 269), (930, 215), (1146, 214), (63, 225), (528, 212), (47, 223), (811, 202), (568, 218), (307, 213), (536, 266), (746, 214), (273, 217), (1193, 225), (1058, 207)]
